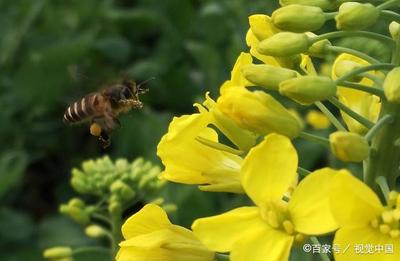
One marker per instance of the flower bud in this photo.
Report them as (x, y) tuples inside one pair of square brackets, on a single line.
[(266, 75), (391, 85), (121, 189), (76, 202), (348, 146), (318, 49), (317, 119), (284, 44), (356, 16), (57, 252), (298, 18), (258, 112), (308, 89), (394, 28), (95, 231), (323, 4), (114, 207), (78, 215)]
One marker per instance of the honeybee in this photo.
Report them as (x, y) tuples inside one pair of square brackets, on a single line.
[(102, 108)]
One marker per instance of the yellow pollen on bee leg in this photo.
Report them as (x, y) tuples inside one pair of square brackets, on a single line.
[(95, 129)]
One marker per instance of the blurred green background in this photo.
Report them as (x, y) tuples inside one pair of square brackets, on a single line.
[(53, 52)]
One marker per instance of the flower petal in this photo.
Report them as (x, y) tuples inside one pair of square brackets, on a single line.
[(236, 75), (220, 232), (355, 239), (309, 206), (353, 203), (264, 244), (269, 169), (149, 219)]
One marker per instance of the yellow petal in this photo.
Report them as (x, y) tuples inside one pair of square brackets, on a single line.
[(262, 26), (161, 254), (309, 205), (149, 219), (220, 232), (353, 203), (355, 238), (269, 169), (253, 42), (307, 65), (236, 74), (265, 244)]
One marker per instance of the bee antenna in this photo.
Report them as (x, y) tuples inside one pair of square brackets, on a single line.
[(145, 81)]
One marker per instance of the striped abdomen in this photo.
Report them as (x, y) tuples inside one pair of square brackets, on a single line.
[(83, 109)]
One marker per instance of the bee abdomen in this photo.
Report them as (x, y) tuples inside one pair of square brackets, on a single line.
[(81, 110)]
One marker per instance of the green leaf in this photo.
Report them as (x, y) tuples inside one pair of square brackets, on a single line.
[(12, 168)]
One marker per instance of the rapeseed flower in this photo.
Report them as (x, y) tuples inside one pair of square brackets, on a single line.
[(268, 230)]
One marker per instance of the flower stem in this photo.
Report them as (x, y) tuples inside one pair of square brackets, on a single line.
[(359, 54), (366, 34), (303, 172), (324, 256), (382, 182), (379, 66), (374, 130), (87, 249), (330, 116), (390, 15), (116, 223), (385, 153), (387, 4), (314, 138), (221, 257), (364, 88), (351, 113)]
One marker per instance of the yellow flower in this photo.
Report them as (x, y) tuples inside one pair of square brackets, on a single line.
[(268, 230), (188, 161), (363, 103), (258, 112), (364, 222), (149, 235), (317, 119)]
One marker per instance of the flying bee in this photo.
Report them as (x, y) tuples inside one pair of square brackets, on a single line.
[(102, 108)]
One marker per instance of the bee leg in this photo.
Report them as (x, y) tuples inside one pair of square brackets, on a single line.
[(104, 139)]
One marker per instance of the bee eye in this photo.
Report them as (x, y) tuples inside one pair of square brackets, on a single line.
[(126, 93)]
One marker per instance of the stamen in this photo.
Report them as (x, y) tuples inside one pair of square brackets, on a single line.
[(395, 233), (288, 226), (384, 228), (396, 214), (299, 238), (375, 223), (387, 217), (272, 219)]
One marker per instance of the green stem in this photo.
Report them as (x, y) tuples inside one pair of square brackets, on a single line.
[(374, 130), (390, 15), (314, 138), (221, 257), (387, 4), (366, 34), (102, 218), (364, 88), (330, 116), (324, 256), (359, 54), (379, 66), (329, 16), (351, 113), (384, 158), (116, 223), (377, 81), (89, 249), (382, 182), (303, 172)]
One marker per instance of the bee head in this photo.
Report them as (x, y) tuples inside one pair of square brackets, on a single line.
[(131, 90)]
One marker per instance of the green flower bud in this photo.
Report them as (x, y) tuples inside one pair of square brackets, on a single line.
[(356, 16), (57, 252), (121, 189), (266, 75), (308, 89), (391, 85), (76, 202), (298, 18), (170, 208), (284, 44), (318, 49), (95, 231), (114, 207), (323, 4), (394, 28), (348, 146), (78, 215)]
